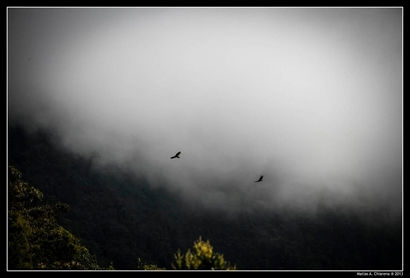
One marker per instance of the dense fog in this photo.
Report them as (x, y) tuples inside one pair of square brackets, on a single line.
[(310, 98)]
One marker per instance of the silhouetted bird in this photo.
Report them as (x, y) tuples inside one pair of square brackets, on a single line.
[(260, 179), (176, 156)]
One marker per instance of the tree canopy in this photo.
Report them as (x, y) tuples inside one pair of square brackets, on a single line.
[(202, 257), (35, 239)]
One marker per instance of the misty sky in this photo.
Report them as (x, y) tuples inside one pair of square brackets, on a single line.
[(311, 98)]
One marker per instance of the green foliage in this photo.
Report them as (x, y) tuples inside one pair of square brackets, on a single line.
[(36, 241), (202, 257), (142, 265), (19, 246), (21, 194)]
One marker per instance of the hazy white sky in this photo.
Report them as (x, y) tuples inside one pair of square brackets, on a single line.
[(310, 98)]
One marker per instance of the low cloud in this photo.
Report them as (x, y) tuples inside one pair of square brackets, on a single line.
[(309, 98)]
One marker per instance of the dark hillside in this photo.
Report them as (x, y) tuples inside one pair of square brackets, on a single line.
[(121, 219)]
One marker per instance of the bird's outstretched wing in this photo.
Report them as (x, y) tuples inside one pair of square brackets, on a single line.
[(176, 156)]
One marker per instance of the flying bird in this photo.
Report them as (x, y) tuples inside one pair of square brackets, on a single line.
[(260, 179), (176, 156)]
